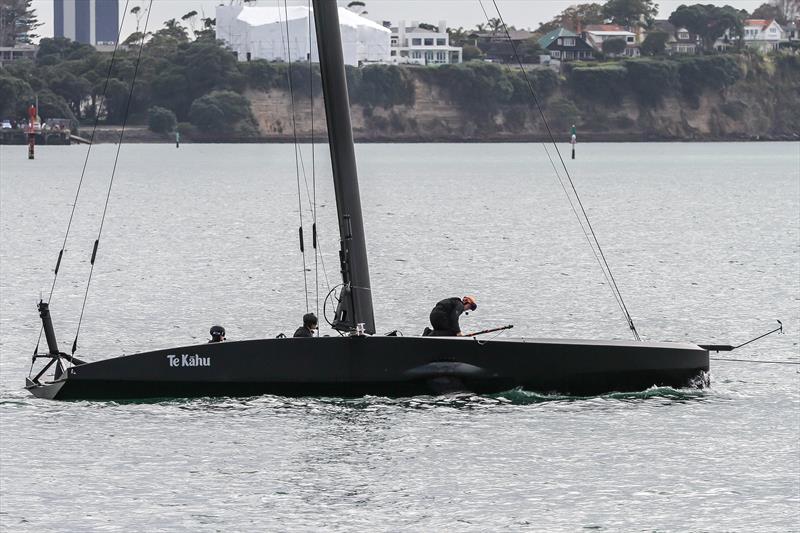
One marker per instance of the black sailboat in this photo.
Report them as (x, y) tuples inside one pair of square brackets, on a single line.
[(360, 362)]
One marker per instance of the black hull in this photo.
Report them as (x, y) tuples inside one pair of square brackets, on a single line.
[(382, 366)]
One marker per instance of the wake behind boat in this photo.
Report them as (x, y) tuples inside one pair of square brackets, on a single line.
[(359, 362)]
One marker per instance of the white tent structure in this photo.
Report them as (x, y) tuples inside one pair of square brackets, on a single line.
[(278, 34)]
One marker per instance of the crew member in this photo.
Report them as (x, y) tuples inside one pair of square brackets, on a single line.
[(309, 326), (217, 334), (444, 317)]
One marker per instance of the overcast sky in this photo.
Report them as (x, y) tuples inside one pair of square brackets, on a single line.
[(467, 13)]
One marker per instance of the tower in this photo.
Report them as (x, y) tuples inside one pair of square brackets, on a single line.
[(87, 21)]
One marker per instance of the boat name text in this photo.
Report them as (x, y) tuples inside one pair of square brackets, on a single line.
[(188, 360)]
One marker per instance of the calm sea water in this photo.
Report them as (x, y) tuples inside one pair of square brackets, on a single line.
[(704, 240)]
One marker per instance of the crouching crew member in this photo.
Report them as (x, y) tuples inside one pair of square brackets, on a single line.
[(444, 317)]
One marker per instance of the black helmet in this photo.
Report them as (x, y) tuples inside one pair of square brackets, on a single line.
[(217, 331)]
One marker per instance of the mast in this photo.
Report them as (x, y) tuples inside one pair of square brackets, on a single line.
[(355, 304)]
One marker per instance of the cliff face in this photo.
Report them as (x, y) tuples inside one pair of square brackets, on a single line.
[(763, 103)]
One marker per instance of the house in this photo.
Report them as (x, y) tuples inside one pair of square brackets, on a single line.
[(680, 40), (564, 45), (596, 34), (763, 35), (283, 34), (9, 54), (423, 45)]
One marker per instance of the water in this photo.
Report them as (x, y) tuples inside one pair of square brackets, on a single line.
[(704, 240)]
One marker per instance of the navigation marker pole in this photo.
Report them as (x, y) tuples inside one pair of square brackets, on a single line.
[(573, 140), (177, 139), (32, 113)]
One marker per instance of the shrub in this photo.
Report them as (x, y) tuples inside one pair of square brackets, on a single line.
[(383, 85), (220, 109), (561, 115), (614, 46), (651, 79), (604, 83), (707, 72), (161, 120)]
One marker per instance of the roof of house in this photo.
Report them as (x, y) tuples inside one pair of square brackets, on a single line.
[(414, 29), (548, 38), (762, 23), (516, 35), (667, 27), (603, 27)]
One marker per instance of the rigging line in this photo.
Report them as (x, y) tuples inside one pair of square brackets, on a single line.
[(566, 171), (574, 210), (315, 235), (113, 175), (303, 169), (296, 146), (80, 181)]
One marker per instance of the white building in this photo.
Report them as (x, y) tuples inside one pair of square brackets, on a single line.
[(763, 35), (423, 46), (596, 34), (255, 32)]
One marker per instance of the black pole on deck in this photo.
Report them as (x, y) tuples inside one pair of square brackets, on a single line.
[(355, 306)]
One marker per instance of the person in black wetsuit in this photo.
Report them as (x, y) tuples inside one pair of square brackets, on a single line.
[(444, 317), (309, 326)]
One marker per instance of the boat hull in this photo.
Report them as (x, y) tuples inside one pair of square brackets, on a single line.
[(382, 366)]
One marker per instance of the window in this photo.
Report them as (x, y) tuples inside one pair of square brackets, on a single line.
[(555, 53), (569, 42), (416, 42), (630, 39), (428, 42), (441, 57), (393, 53), (684, 35), (567, 55), (416, 54), (441, 42)]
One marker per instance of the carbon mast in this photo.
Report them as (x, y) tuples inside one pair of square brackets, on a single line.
[(355, 301)]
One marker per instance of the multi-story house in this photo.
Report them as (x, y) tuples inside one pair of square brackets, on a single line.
[(423, 46), (763, 35), (564, 45), (9, 54), (596, 34), (680, 40)]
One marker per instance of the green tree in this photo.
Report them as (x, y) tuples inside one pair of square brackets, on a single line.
[(768, 11), (529, 50), (14, 93), (73, 89), (614, 47), (655, 43), (631, 12), (709, 22), (208, 33), (470, 53), (161, 120), (221, 110), (575, 16), (18, 21)]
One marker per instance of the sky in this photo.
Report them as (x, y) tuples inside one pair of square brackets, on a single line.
[(466, 13)]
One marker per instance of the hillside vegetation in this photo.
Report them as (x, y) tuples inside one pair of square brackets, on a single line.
[(199, 88)]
